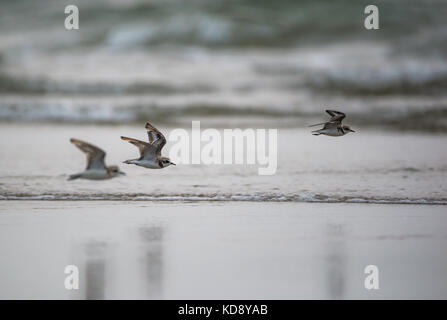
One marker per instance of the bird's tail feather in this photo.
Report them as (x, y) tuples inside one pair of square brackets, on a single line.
[(74, 176), (317, 124)]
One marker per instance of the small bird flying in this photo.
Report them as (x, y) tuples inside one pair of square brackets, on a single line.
[(96, 168), (333, 127), (150, 152)]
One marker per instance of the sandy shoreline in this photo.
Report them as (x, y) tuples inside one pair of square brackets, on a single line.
[(370, 166), (226, 250)]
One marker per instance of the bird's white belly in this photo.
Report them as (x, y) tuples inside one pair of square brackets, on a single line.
[(95, 174), (332, 133), (151, 164)]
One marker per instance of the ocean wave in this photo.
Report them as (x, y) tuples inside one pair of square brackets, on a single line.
[(428, 119), (221, 23), (10, 84), (418, 81), (113, 112), (221, 198)]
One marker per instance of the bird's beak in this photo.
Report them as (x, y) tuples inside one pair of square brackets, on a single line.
[(173, 163), (122, 173), (352, 130)]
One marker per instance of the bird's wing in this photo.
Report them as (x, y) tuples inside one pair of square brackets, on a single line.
[(147, 150), (95, 155), (336, 115), (317, 124), (156, 138), (331, 125)]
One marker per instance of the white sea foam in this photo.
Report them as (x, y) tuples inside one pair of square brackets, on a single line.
[(234, 198)]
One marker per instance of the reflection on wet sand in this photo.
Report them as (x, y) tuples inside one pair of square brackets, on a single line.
[(234, 250), (335, 262), (95, 269), (104, 274), (152, 238), (138, 271)]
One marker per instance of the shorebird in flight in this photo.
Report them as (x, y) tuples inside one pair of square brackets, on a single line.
[(96, 168), (333, 127), (150, 152)]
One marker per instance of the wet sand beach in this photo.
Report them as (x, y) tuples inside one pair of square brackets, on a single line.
[(225, 250), (219, 231)]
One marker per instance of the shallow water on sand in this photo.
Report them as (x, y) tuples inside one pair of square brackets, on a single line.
[(366, 166), (223, 250)]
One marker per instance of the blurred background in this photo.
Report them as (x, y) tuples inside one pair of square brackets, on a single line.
[(220, 231), (225, 62)]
